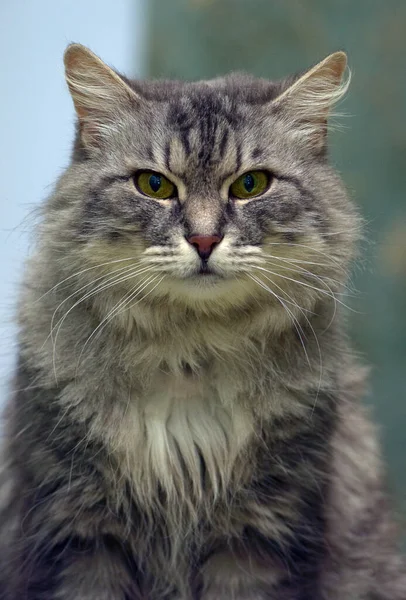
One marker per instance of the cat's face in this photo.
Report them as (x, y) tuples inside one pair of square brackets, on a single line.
[(219, 190)]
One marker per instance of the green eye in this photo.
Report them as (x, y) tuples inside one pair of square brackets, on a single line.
[(155, 185), (250, 184)]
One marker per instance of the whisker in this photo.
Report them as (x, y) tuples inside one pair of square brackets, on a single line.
[(143, 297), (314, 335), (354, 230), (331, 295), (106, 284), (310, 273), (102, 287), (121, 270), (296, 324), (78, 273), (127, 297), (300, 261), (323, 253)]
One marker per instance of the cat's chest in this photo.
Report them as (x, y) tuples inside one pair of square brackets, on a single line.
[(182, 436)]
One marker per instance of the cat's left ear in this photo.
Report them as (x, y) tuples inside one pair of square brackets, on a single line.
[(99, 93), (308, 102)]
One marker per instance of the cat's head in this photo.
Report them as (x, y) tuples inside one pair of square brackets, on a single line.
[(216, 193)]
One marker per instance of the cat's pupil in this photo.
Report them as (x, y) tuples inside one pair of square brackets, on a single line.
[(249, 183), (155, 182)]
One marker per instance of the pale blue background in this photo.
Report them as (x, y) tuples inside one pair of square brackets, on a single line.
[(36, 115)]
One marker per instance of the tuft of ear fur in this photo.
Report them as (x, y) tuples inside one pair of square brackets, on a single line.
[(98, 93), (310, 99)]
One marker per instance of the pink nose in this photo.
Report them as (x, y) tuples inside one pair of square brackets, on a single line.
[(204, 244)]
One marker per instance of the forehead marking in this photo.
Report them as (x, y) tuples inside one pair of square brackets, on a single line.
[(175, 156), (223, 142), (202, 119), (238, 157), (257, 153)]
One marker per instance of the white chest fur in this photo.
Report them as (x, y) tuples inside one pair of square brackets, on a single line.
[(183, 437)]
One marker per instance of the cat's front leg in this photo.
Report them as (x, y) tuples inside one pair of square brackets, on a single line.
[(98, 576), (226, 576), (76, 572)]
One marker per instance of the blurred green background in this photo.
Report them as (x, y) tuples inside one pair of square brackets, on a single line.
[(192, 39)]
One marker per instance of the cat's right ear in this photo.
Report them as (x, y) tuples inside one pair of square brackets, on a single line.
[(99, 93), (308, 102)]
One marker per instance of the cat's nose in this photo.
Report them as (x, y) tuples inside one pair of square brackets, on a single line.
[(204, 244)]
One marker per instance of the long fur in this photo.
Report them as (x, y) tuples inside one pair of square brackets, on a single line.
[(186, 432)]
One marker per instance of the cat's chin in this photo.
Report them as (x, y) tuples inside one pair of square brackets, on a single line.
[(203, 289), (203, 285), (205, 279)]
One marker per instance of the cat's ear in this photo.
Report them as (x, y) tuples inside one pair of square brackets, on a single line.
[(308, 102), (99, 93)]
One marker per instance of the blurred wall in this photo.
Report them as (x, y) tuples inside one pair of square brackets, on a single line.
[(191, 39), (37, 115)]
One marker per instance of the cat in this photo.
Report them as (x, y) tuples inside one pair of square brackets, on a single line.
[(185, 421)]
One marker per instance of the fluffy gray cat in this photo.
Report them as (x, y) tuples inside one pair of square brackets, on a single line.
[(186, 419)]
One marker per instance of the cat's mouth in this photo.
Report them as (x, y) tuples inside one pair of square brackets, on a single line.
[(205, 273), (205, 270)]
